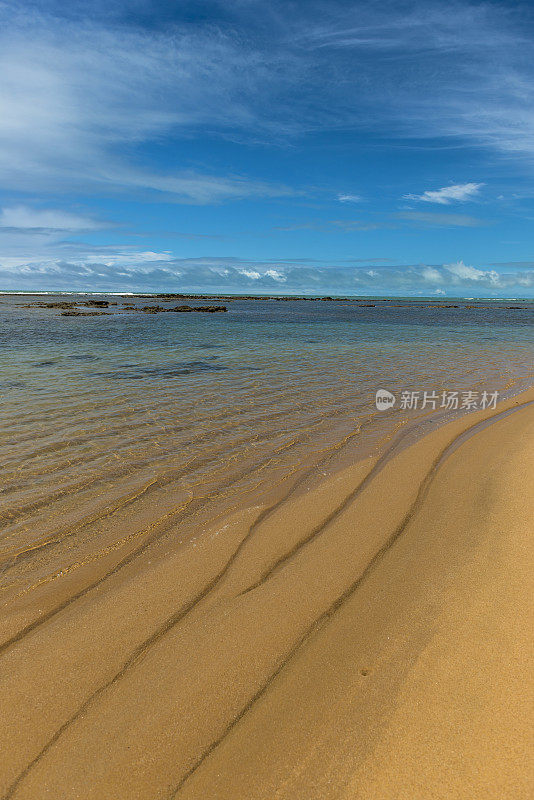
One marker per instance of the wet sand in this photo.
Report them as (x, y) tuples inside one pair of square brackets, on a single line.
[(365, 637)]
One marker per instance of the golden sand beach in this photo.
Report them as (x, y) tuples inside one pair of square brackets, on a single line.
[(369, 637), (266, 400)]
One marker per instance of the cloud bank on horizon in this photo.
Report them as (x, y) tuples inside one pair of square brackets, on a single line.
[(218, 133), (153, 272)]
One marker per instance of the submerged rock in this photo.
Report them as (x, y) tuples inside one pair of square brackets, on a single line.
[(84, 313), (205, 309), (42, 304)]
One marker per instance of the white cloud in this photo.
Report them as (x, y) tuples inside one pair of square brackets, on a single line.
[(431, 275), (349, 198), (27, 219), (464, 271), (250, 273), (467, 273), (457, 192), (276, 275)]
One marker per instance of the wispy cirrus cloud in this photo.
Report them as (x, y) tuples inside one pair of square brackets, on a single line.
[(349, 225), (463, 72), (436, 220), (85, 92), (455, 193), (82, 97), (400, 219), (26, 219)]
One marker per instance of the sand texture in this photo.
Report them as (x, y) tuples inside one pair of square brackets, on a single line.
[(366, 637)]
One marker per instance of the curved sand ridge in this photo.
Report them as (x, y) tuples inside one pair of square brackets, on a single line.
[(367, 638)]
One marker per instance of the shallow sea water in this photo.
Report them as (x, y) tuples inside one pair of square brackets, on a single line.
[(114, 424)]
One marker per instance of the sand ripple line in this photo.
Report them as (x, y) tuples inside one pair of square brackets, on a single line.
[(347, 594)]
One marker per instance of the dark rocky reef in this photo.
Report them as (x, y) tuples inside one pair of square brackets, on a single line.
[(71, 304), (160, 309), (179, 296)]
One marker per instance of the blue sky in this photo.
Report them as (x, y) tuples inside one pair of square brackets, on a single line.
[(310, 147)]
